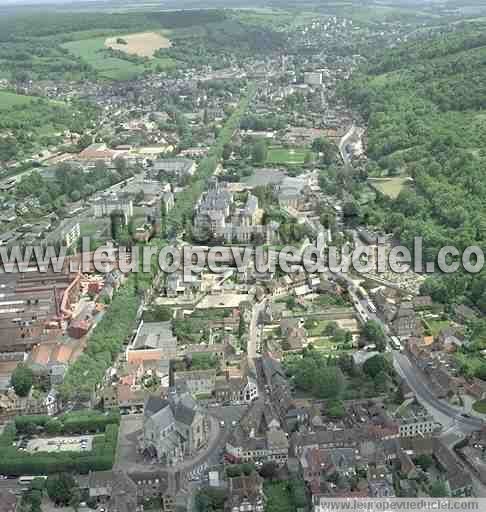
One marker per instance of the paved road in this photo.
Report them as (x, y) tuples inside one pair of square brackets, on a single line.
[(258, 308), (416, 382), (9, 485), (345, 140)]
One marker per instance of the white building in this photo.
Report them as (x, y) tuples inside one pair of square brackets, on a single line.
[(70, 233), (108, 203), (313, 78)]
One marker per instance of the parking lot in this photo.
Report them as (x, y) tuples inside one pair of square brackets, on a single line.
[(229, 414), (61, 444)]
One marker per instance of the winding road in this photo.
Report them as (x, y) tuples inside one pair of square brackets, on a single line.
[(413, 378)]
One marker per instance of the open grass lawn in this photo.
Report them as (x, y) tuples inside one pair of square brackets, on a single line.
[(10, 99), (278, 497), (324, 344), (92, 51), (316, 327), (480, 406), (436, 326), (278, 155), (92, 228), (390, 187)]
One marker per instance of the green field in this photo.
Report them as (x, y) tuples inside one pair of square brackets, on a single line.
[(436, 326), (390, 187), (278, 155), (10, 99), (92, 52), (480, 406), (317, 328)]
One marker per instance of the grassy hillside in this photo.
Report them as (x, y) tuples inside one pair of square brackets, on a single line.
[(94, 53), (424, 104), (10, 99)]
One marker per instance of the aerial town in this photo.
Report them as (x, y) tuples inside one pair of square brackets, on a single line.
[(250, 389)]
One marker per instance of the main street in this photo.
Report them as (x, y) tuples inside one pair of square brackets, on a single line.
[(253, 333)]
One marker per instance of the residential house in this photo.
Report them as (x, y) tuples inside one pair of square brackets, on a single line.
[(163, 485), (272, 378), (464, 314), (245, 493), (178, 167), (406, 323), (153, 340), (457, 479), (422, 302), (114, 489), (197, 382), (415, 420), (258, 436), (236, 385), (450, 339), (94, 153)]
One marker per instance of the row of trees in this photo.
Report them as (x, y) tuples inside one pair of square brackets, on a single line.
[(181, 215), (75, 423), (16, 463), (104, 343)]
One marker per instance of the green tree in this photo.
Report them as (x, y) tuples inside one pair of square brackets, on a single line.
[(374, 366), (425, 461), (22, 380), (269, 470), (326, 148), (438, 489), (227, 150), (259, 152), (84, 141), (373, 331), (61, 489)]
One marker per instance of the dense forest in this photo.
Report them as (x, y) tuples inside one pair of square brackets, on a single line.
[(21, 26), (218, 42), (424, 102)]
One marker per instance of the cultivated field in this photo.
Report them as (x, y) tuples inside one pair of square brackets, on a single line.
[(144, 44)]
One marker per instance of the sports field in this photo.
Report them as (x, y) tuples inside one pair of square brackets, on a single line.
[(279, 155)]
